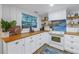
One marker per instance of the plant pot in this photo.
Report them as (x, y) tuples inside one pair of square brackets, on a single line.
[(5, 34)]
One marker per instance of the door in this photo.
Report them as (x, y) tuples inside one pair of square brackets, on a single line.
[(16, 47)]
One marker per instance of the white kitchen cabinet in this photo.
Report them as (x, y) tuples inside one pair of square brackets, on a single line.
[(32, 43), (46, 37), (16, 47), (41, 39), (27, 45), (59, 15), (71, 43), (37, 42)]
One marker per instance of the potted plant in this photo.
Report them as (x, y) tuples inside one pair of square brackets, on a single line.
[(5, 25)]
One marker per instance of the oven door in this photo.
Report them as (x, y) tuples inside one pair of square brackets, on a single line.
[(56, 38)]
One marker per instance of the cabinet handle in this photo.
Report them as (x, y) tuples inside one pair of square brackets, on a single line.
[(16, 42)]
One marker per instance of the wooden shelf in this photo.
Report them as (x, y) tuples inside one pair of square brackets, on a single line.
[(73, 17)]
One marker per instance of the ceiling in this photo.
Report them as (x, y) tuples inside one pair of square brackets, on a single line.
[(44, 9)]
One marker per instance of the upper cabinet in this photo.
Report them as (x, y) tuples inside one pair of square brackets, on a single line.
[(59, 15)]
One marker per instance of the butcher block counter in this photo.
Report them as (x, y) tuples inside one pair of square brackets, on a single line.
[(72, 33), (22, 35)]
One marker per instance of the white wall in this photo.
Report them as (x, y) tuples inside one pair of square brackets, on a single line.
[(13, 13), (0, 29), (58, 15)]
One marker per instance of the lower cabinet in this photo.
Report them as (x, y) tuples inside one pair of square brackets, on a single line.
[(30, 44), (71, 43), (33, 43), (26, 45), (16, 47)]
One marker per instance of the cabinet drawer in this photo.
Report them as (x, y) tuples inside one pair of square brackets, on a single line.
[(69, 37), (76, 39), (74, 48), (16, 47), (69, 48), (67, 42), (17, 42), (72, 38)]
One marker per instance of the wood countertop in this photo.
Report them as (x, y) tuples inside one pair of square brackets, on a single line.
[(19, 36), (72, 33)]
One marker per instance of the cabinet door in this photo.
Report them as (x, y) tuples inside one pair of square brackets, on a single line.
[(45, 37), (57, 15), (38, 41), (28, 45), (16, 47), (33, 43)]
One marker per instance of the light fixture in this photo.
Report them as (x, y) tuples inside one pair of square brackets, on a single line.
[(51, 4)]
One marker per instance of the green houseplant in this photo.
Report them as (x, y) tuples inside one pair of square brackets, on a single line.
[(5, 25)]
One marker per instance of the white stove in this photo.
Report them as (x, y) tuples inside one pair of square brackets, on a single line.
[(57, 39)]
